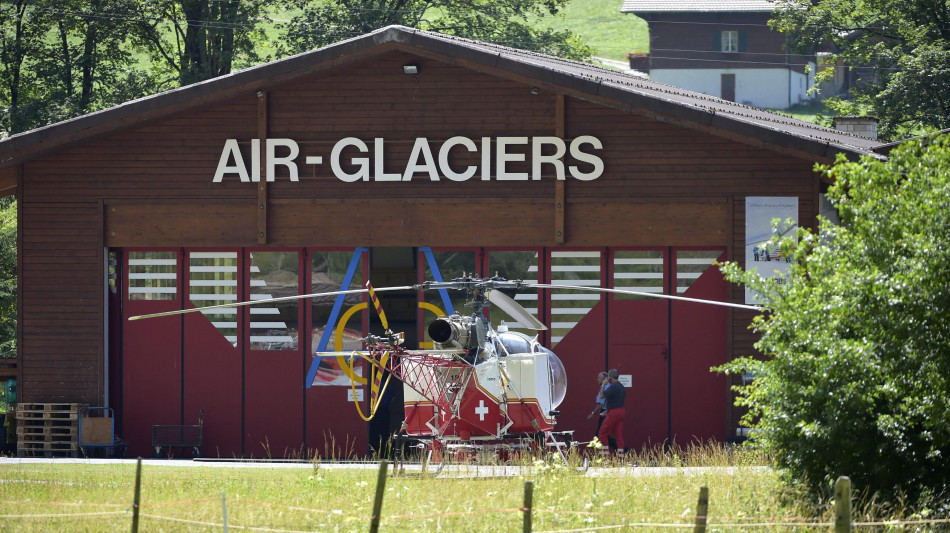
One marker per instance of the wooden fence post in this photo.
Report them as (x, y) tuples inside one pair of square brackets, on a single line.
[(380, 492), (135, 499), (702, 509), (528, 497), (843, 505)]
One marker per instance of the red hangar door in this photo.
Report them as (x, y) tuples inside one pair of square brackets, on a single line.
[(664, 349), (244, 367)]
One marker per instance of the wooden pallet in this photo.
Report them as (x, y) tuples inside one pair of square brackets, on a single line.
[(48, 429), (47, 432), (48, 411)]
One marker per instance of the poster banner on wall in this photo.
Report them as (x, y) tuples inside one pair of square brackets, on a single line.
[(760, 212)]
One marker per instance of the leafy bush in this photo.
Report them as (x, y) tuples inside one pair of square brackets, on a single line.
[(856, 377)]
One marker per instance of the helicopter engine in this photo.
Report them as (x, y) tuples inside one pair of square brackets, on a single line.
[(453, 330)]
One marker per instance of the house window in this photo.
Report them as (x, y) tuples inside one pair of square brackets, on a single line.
[(730, 41)]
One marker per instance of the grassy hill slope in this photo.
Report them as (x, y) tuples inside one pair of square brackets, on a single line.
[(601, 24)]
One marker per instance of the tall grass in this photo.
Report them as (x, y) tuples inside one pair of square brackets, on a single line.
[(324, 497)]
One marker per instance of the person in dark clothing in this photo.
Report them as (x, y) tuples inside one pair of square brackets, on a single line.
[(599, 411), (614, 395)]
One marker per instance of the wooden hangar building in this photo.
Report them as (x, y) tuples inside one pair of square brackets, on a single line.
[(397, 156)]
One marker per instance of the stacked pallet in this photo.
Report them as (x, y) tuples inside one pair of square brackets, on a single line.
[(48, 429)]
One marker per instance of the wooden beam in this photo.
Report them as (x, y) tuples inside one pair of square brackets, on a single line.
[(559, 196), (262, 185), (503, 222)]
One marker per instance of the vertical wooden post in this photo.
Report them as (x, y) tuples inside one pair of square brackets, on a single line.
[(262, 201), (135, 499), (528, 497), (843, 505), (378, 502), (560, 130), (702, 510)]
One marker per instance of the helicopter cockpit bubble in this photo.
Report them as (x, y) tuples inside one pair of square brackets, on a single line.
[(558, 379), (519, 343)]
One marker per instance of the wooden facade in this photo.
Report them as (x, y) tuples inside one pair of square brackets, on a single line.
[(693, 40), (725, 49), (140, 177)]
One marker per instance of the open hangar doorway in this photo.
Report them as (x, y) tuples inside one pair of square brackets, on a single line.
[(392, 267)]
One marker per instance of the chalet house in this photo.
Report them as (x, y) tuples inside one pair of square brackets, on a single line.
[(393, 157), (724, 48)]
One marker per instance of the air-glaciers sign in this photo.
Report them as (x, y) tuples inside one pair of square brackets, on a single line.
[(352, 159)]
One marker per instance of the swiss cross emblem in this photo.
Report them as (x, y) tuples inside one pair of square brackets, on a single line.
[(481, 410)]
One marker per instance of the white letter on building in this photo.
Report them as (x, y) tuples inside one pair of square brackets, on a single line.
[(444, 158), (379, 160), (502, 157), (230, 150), (555, 159), (421, 147), (576, 153), (486, 158), (361, 162), (287, 161)]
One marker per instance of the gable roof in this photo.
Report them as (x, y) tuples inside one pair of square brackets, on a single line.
[(697, 6), (577, 79)]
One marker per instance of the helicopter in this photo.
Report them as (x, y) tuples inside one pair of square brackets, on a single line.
[(480, 387)]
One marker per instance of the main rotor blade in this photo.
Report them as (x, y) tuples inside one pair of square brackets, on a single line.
[(647, 294), (515, 310), (267, 301)]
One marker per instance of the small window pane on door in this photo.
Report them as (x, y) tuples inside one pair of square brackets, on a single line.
[(273, 275), (153, 275), (213, 280), (638, 271), (570, 306), (690, 265)]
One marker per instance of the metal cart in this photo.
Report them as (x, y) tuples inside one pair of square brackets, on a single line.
[(172, 436), (97, 433)]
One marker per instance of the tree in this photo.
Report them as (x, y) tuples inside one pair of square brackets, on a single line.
[(856, 377), (506, 22), (20, 36), (201, 39), (906, 46), (8, 277), (65, 58)]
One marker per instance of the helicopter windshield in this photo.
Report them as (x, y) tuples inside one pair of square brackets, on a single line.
[(558, 379), (519, 343)]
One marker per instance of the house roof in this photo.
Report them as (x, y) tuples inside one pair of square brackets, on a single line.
[(577, 79), (697, 6)]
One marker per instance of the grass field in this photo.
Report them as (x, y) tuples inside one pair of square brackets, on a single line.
[(93, 496), (98, 497), (601, 25)]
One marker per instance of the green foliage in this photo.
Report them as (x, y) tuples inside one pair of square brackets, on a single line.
[(8, 277), (857, 375), (64, 58), (506, 22), (905, 47)]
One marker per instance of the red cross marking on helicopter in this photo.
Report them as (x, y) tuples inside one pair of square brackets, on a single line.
[(481, 410)]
